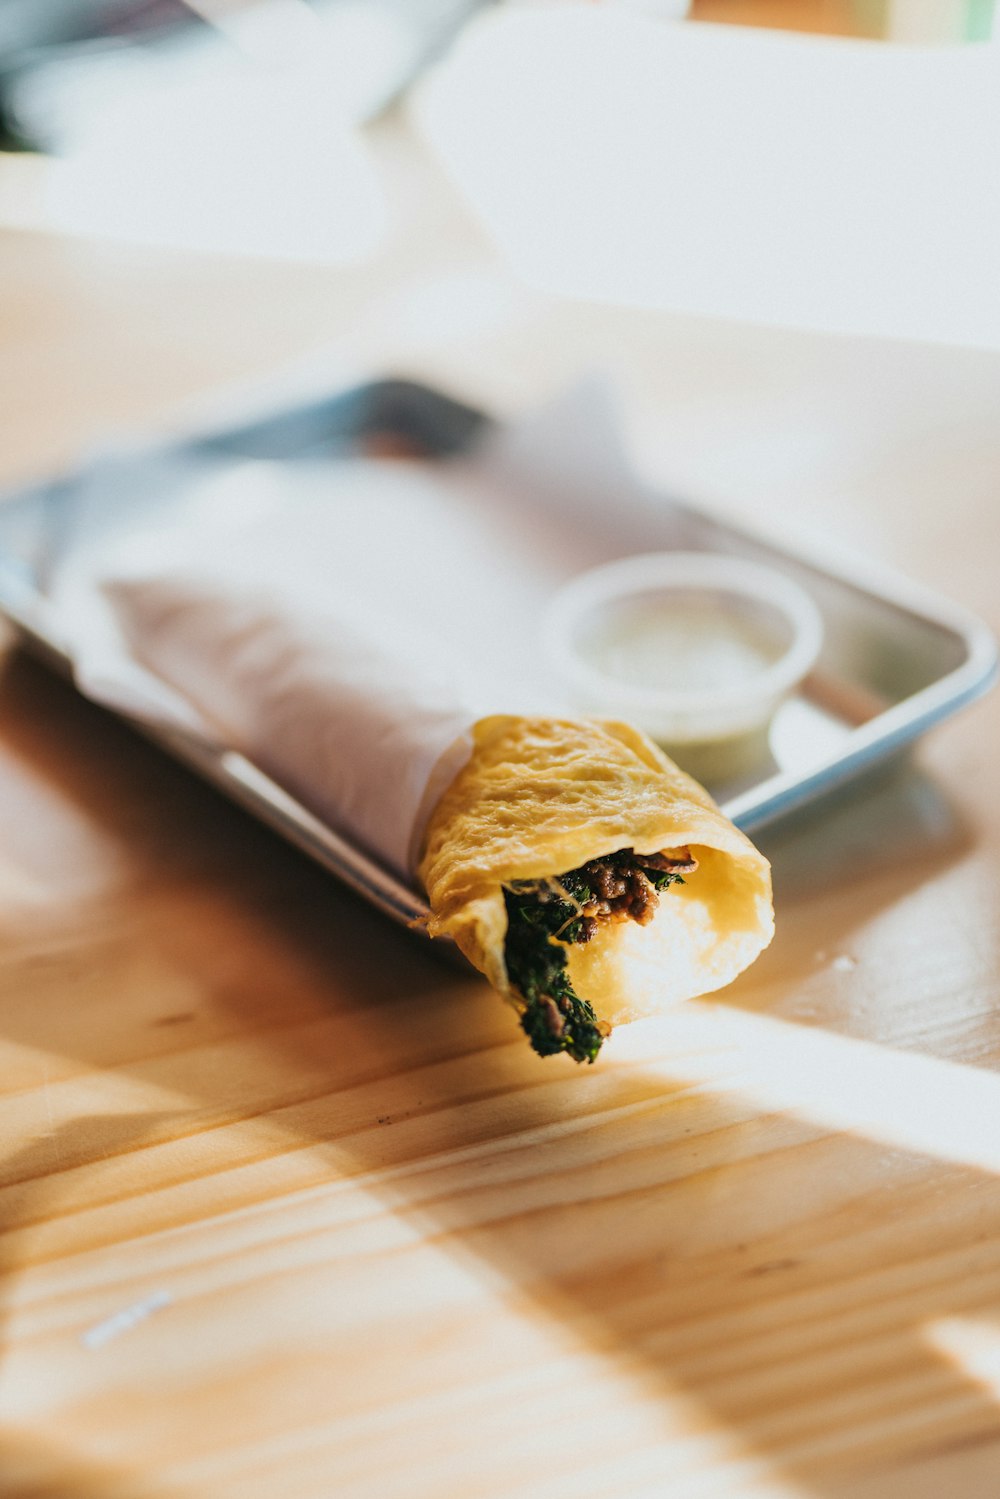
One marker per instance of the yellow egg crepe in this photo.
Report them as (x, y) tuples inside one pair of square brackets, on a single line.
[(541, 797)]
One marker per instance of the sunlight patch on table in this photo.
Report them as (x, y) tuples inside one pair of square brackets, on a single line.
[(972, 1345), (938, 1108)]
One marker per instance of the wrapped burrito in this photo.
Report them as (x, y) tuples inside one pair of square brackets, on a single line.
[(587, 877), (583, 873)]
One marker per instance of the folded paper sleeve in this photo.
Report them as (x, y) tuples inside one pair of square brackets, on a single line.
[(349, 710)]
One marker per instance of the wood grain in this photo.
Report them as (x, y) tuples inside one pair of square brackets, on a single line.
[(286, 1205)]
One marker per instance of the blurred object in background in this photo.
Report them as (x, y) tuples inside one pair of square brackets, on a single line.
[(928, 22), (835, 17), (217, 125), (936, 21), (802, 181), (238, 127), (63, 63), (918, 21)]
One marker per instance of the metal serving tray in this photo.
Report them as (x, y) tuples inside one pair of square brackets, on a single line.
[(896, 659)]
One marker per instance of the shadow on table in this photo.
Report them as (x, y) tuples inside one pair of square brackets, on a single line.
[(37, 1468), (775, 1277)]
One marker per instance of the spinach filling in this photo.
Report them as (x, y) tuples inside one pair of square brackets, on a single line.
[(546, 917)]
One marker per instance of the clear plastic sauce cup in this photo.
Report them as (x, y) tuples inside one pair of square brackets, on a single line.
[(697, 648)]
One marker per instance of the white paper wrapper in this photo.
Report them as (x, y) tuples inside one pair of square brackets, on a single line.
[(254, 623), (342, 623), (355, 713)]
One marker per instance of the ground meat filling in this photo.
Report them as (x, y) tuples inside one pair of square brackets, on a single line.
[(545, 917), (624, 887)]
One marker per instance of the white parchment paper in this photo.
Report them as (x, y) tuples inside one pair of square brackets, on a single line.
[(343, 623)]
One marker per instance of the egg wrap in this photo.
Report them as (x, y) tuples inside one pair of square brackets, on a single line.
[(541, 796)]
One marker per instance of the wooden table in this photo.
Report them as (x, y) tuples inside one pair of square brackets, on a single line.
[(287, 1205)]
